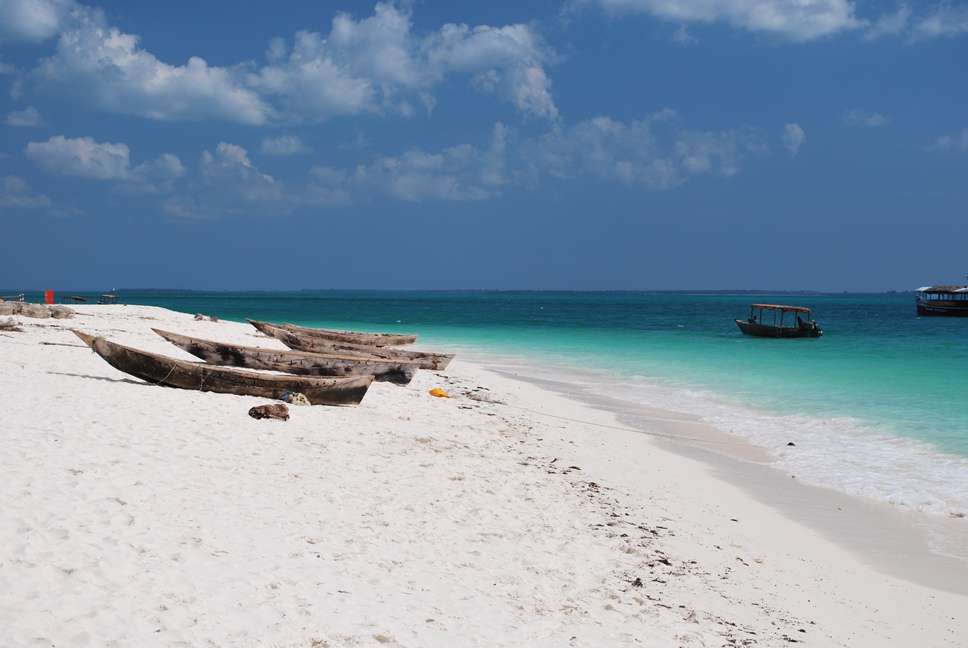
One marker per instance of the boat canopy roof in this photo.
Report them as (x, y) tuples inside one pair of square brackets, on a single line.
[(780, 307), (943, 289)]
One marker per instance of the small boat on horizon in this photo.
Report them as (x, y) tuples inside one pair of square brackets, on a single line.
[(942, 301), (769, 320)]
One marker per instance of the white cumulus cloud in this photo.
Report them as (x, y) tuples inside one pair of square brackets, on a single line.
[(955, 143), (379, 64), (32, 20), (681, 36), (23, 118), (284, 145), (799, 20), (230, 165), (228, 184), (81, 157), (860, 117), (655, 152), (376, 65), (457, 173), (889, 24), (16, 194), (793, 138), (100, 64), (85, 158), (937, 20), (944, 21), (507, 61)]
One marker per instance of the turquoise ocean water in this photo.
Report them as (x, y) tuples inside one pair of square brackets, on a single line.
[(876, 406)]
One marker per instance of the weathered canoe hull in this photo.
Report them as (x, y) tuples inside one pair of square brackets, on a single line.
[(424, 359), (759, 330), (294, 362), (161, 370), (349, 337)]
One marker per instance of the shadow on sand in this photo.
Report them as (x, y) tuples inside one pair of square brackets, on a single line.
[(105, 378)]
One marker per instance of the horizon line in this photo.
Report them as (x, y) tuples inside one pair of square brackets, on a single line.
[(706, 291)]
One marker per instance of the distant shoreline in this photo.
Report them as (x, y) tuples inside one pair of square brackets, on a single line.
[(692, 291)]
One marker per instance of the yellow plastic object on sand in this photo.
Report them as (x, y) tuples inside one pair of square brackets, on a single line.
[(439, 393), (295, 398)]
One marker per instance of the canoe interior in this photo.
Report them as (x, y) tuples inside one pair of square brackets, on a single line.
[(351, 337), (426, 360), (294, 362)]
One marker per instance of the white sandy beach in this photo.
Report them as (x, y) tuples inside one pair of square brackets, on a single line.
[(137, 515)]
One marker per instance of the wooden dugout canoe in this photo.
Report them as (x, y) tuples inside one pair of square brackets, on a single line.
[(425, 359), (349, 337), (294, 362), (161, 370)]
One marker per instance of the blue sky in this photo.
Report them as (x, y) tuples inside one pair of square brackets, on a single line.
[(568, 144)]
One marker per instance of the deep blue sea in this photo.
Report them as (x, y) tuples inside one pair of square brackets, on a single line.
[(876, 406)]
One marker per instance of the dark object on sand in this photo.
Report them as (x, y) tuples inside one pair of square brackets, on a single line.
[(294, 362), (942, 301), (348, 337), (276, 411), (161, 370), (425, 359), (767, 320)]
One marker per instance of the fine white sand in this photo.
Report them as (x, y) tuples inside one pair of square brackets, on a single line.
[(137, 515)]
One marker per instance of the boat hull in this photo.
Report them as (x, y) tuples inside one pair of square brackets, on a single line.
[(760, 330), (942, 310), (425, 359), (294, 362), (349, 337), (161, 370)]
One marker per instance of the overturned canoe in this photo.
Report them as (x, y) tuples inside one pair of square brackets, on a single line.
[(425, 359), (162, 370), (294, 362), (349, 337)]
